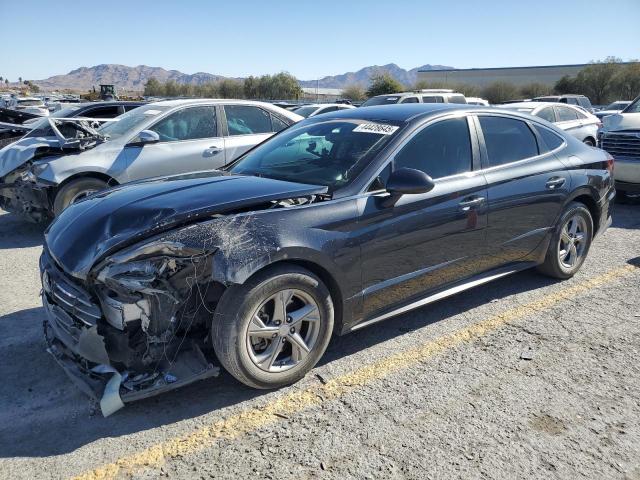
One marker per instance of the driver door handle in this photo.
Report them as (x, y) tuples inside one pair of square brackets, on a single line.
[(211, 151), (470, 202), (555, 182)]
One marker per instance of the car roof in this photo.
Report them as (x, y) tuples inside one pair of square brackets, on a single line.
[(318, 105), (403, 112), (196, 101)]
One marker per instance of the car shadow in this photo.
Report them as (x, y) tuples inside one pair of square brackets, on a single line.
[(626, 216), (16, 232), (42, 413)]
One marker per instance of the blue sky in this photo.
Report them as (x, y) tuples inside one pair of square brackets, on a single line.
[(310, 39)]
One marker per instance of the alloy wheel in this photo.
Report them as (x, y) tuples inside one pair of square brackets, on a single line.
[(572, 241), (283, 330)]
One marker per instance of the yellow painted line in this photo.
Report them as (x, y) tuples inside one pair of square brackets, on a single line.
[(253, 418)]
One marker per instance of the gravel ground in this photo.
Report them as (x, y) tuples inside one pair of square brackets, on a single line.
[(551, 390)]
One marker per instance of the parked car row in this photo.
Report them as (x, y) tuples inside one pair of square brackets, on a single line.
[(62, 161), (341, 220)]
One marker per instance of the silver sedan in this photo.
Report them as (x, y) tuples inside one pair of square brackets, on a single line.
[(574, 120), (157, 139)]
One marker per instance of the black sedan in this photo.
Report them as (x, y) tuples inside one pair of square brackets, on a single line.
[(336, 223)]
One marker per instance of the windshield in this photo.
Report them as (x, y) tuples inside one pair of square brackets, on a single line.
[(330, 153), (306, 111), (381, 100), (616, 106), (130, 120), (30, 103), (634, 107), (65, 112)]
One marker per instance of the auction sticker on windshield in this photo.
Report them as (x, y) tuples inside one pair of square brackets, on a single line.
[(379, 128)]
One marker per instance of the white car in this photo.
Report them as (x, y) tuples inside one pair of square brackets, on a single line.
[(320, 108), (613, 108), (477, 101), (64, 160), (620, 136), (572, 119), (30, 105)]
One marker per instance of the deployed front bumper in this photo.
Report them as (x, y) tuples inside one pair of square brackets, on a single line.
[(73, 331)]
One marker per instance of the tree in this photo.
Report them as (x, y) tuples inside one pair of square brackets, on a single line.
[(19, 79), (153, 88), (230, 88), (626, 83), (354, 92), (498, 92), (566, 84), (6, 81), (383, 83), (535, 89), (595, 80)]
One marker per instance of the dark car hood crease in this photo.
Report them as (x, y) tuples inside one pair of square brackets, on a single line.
[(86, 232)]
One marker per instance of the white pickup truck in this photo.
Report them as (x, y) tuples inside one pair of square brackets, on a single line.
[(620, 136)]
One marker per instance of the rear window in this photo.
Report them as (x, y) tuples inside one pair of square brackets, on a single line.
[(550, 140), (457, 99), (381, 100), (584, 102)]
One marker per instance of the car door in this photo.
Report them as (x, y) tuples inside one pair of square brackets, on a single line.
[(567, 120), (426, 240), (246, 126), (527, 185), (188, 143)]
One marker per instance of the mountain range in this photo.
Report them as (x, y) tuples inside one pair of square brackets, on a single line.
[(134, 78)]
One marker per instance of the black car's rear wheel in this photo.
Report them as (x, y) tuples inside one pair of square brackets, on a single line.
[(272, 330), (570, 242)]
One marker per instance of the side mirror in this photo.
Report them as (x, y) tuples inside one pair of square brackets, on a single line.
[(407, 181), (145, 137)]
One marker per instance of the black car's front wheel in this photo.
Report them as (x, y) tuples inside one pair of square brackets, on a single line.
[(570, 242), (270, 331)]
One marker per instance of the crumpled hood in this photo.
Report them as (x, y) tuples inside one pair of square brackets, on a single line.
[(621, 121), (20, 152), (103, 223)]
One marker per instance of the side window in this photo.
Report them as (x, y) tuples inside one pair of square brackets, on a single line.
[(548, 114), (432, 100), (573, 101), (130, 107), (507, 140), (380, 181), (111, 111), (550, 139), (439, 150), (187, 124), (581, 115), (277, 124), (457, 99), (410, 100), (565, 114), (247, 120)]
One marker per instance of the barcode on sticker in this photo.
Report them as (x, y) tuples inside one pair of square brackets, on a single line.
[(378, 128)]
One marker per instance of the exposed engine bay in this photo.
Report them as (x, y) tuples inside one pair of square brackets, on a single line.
[(20, 190)]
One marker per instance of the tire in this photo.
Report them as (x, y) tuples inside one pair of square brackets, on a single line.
[(251, 359), (74, 190), (589, 141), (561, 261)]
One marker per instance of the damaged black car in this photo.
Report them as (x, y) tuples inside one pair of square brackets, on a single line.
[(336, 223)]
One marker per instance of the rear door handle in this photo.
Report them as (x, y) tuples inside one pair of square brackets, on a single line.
[(555, 182), (471, 202)]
